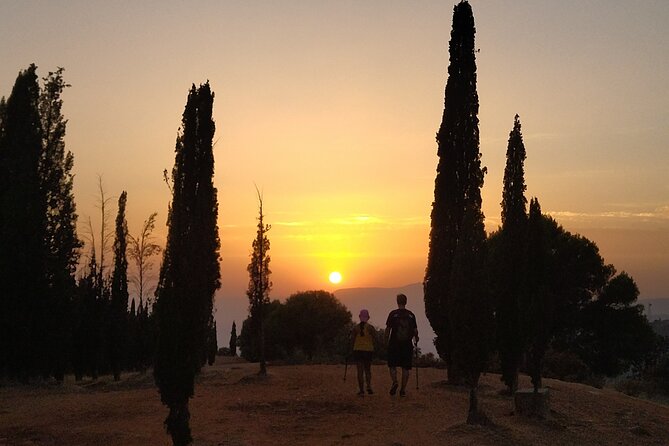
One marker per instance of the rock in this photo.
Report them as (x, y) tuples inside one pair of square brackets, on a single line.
[(527, 402)]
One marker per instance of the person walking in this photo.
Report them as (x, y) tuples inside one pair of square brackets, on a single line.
[(401, 330), (363, 349)]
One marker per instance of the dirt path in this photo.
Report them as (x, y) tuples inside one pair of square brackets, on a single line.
[(312, 405)]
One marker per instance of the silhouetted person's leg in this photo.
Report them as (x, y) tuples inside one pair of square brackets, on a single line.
[(405, 380), (368, 376), (393, 376), (361, 387)]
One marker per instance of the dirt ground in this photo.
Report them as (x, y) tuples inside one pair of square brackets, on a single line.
[(313, 405)]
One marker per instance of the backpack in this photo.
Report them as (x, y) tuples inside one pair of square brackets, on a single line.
[(404, 328)]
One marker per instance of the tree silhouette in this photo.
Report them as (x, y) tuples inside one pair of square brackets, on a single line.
[(510, 264), (259, 284), (190, 274), (118, 309), (23, 297), (233, 339), (538, 298), (141, 250), (62, 242), (457, 183)]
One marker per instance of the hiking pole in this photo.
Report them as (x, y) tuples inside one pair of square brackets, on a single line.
[(345, 367), (416, 351)]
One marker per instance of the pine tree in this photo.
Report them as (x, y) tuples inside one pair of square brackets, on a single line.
[(458, 180), (233, 340), (22, 233), (259, 284), (190, 274), (62, 242), (118, 309), (511, 341)]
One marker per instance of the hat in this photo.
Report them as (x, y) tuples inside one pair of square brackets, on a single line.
[(364, 315)]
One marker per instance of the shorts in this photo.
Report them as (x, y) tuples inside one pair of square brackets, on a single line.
[(400, 355), (362, 356)]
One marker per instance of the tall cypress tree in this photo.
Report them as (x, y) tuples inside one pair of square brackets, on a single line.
[(233, 339), (118, 308), (511, 341), (190, 273), (62, 242), (538, 297), (458, 180), (22, 233), (259, 284)]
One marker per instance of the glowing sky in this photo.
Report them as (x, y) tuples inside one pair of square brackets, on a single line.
[(331, 108)]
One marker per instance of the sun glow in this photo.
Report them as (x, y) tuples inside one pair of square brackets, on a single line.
[(335, 277)]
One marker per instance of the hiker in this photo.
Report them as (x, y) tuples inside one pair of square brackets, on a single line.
[(363, 348), (401, 328)]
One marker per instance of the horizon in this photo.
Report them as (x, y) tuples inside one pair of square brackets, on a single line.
[(331, 109)]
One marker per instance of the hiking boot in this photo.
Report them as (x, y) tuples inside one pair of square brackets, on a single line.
[(403, 393), (361, 393), (393, 389), (370, 391)]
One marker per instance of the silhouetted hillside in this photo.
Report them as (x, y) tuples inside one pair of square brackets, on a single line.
[(657, 308)]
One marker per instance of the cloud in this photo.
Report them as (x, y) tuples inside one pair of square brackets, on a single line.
[(661, 213)]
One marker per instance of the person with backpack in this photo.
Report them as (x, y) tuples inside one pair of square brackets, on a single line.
[(363, 349), (401, 330)]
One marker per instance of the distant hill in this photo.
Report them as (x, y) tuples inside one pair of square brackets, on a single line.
[(655, 309), (381, 301)]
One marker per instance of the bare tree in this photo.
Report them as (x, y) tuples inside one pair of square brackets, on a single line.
[(141, 250), (106, 232)]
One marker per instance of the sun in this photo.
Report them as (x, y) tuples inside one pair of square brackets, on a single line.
[(335, 277)]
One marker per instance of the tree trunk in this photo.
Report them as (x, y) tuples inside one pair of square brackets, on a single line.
[(473, 414), (261, 348), (177, 424)]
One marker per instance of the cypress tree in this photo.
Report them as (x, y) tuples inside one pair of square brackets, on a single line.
[(471, 315), (458, 180), (538, 299), (22, 233), (62, 242), (233, 340), (259, 284), (189, 274), (118, 309), (212, 345), (511, 342)]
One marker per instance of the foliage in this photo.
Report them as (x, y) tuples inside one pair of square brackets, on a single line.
[(233, 340), (309, 326), (616, 334), (61, 241), (190, 274), (24, 305), (510, 261), (259, 284), (119, 292), (458, 180), (538, 301), (456, 296)]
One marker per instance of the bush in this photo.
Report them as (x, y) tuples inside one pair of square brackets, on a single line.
[(568, 366)]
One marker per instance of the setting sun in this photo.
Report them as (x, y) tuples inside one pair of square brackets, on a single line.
[(335, 277)]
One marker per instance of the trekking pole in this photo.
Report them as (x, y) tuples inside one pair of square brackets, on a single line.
[(345, 367), (416, 351)]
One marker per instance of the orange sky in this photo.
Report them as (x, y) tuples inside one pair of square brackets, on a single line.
[(331, 108)]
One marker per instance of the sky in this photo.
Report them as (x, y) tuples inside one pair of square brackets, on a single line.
[(330, 109)]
